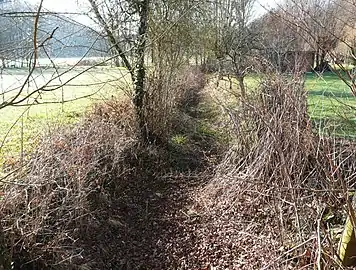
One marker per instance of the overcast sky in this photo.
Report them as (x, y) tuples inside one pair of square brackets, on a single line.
[(60, 5), (82, 6), (72, 6)]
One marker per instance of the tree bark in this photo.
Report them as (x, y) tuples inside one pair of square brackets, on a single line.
[(137, 71), (317, 61), (240, 79), (140, 78)]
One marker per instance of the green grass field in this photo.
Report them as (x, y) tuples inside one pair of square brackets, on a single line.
[(21, 127), (332, 107)]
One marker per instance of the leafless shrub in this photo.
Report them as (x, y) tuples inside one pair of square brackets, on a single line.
[(66, 192), (190, 84), (92, 62), (280, 182)]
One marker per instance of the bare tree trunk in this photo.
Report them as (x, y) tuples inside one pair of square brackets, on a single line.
[(140, 77), (137, 70), (322, 64), (317, 58), (240, 79)]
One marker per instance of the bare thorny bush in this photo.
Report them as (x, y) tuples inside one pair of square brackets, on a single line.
[(280, 182), (53, 204)]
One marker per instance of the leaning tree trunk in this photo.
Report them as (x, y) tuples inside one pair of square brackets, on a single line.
[(139, 82)]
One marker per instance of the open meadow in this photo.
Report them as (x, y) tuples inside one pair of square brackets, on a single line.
[(21, 126)]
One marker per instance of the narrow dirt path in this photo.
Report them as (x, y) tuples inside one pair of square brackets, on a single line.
[(150, 225)]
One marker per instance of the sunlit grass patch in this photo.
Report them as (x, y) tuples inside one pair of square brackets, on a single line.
[(332, 107)]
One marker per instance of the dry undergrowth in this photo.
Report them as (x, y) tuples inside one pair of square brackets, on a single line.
[(277, 198), (94, 198), (167, 92), (60, 198)]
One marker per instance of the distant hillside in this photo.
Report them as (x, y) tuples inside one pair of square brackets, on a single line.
[(69, 38)]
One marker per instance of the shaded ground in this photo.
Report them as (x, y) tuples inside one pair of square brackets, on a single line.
[(156, 222)]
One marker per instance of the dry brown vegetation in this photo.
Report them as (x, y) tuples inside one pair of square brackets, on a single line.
[(276, 201), (94, 197), (166, 92), (168, 179), (64, 195)]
